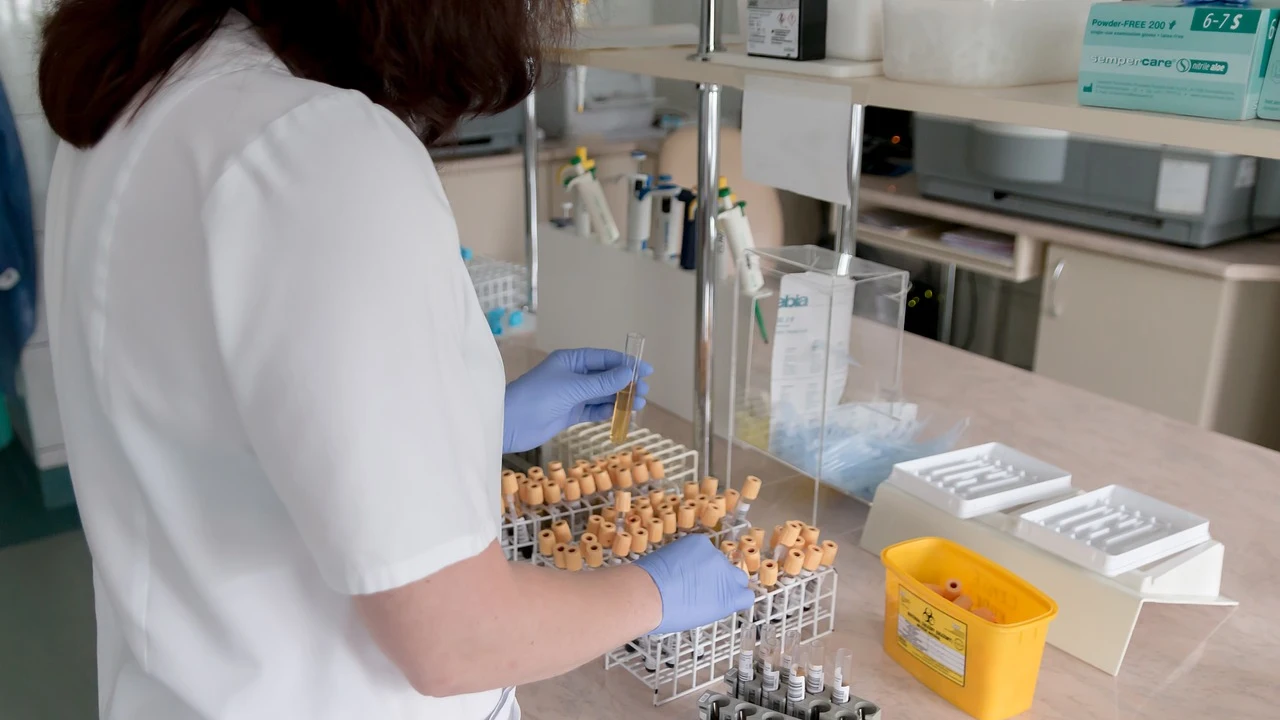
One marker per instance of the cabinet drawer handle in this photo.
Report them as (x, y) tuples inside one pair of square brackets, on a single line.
[(1054, 309)]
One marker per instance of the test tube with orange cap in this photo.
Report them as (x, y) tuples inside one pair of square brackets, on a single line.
[(750, 491), (639, 473)]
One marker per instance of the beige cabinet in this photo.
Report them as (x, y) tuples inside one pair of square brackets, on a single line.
[(1193, 347)]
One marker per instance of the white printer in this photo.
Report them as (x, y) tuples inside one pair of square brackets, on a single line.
[(1174, 195)]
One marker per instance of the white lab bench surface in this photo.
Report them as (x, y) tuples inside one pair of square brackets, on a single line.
[(1183, 661)]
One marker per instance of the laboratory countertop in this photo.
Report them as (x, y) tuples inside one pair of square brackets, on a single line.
[(1254, 259), (1184, 661)]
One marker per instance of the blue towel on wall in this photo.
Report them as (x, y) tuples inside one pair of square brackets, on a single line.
[(17, 251)]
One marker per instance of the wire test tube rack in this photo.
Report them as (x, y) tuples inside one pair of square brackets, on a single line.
[(519, 531)]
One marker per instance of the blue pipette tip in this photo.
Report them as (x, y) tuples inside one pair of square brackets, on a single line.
[(467, 254), (516, 319)]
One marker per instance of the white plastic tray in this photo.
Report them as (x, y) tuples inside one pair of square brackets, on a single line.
[(1112, 530), (980, 480)]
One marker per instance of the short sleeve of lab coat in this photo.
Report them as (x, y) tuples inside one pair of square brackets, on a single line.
[(368, 384)]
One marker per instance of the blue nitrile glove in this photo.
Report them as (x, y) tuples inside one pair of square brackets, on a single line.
[(569, 387), (697, 583)]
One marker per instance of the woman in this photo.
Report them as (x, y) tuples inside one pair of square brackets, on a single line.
[(284, 409)]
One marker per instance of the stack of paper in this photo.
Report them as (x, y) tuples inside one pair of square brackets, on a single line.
[(985, 242)]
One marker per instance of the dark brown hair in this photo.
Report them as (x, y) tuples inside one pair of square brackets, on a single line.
[(431, 62)]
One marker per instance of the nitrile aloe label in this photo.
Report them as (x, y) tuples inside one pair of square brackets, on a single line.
[(1205, 60)]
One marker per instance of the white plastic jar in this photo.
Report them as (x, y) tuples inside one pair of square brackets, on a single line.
[(983, 43), (855, 29)]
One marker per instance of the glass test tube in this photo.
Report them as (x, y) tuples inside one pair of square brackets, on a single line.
[(622, 405)]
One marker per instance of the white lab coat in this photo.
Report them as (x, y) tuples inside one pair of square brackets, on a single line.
[(278, 390)]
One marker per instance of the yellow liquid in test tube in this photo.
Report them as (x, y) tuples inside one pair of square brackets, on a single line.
[(622, 404)]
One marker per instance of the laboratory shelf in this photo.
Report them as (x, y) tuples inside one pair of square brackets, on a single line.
[(1256, 259), (1051, 106)]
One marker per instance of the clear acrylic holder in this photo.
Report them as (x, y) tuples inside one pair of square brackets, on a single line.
[(817, 364)]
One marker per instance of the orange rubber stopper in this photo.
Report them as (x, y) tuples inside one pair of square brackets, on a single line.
[(622, 502), (535, 494), (812, 557), (546, 542), (768, 573), (686, 516), (595, 556), (710, 485), (624, 479), (588, 483), (556, 473), (621, 544), (690, 490), (829, 550), (572, 559), (964, 602), (639, 541), (639, 473), (951, 589), (728, 547), (572, 489), (604, 483), (757, 534), (655, 531), (656, 470), (593, 524), (810, 535), (731, 497), (510, 485), (710, 517), (747, 541), (669, 522), (657, 497), (751, 488), (558, 554), (607, 532), (790, 533), (550, 491), (752, 557), (562, 532), (793, 563)]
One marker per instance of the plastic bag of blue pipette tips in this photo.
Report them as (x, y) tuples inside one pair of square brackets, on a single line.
[(860, 442)]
